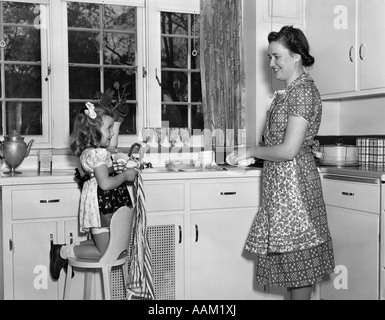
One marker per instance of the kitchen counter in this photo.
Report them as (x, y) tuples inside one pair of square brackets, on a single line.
[(30, 177), (361, 171)]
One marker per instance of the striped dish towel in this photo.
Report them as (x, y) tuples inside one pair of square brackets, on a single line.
[(140, 280)]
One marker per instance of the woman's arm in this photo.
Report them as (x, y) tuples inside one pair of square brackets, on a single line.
[(106, 182), (294, 137)]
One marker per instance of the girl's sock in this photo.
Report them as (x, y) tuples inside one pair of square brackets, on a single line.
[(67, 251)]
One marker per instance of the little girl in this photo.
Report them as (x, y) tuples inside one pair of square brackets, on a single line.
[(102, 194)]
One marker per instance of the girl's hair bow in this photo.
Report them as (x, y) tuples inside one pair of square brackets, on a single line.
[(90, 110)]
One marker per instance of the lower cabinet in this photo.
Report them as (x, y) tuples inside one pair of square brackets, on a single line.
[(196, 229)]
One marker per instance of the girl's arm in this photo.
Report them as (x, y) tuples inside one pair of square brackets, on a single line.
[(294, 137), (107, 182)]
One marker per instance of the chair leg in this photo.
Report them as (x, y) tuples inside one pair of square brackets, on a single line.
[(67, 289), (106, 283), (88, 279)]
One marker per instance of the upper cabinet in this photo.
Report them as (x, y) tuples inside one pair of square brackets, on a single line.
[(344, 39)]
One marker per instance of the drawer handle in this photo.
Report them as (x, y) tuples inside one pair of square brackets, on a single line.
[(196, 233), (228, 193), (50, 201), (349, 194)]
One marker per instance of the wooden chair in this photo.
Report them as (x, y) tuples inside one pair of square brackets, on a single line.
[(115, 255)]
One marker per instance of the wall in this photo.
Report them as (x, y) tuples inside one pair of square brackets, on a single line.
[(362, 116)]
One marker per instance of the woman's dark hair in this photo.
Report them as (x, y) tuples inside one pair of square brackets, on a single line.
[(86, 132), (294, 40)]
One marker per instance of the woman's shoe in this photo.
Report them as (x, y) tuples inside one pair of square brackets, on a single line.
[(56, 261)]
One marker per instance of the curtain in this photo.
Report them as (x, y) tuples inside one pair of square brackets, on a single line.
[(222, 72)]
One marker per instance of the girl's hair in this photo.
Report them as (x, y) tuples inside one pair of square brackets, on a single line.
[(294, 40), (86, 132)]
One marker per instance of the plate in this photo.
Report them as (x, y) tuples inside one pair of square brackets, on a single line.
[(191, 169), (243, 163)]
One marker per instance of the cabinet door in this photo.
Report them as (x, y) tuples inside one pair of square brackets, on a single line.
[(220, 269), (31, 247), (331, 32), (166, 238), (355, 237), (72, 235), (372, 48)]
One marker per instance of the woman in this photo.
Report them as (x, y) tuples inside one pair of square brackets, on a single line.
[(290, 234)]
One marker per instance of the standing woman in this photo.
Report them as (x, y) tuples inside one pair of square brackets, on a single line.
[(290, 234)]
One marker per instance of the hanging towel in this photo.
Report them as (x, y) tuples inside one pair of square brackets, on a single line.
[(140, 280)]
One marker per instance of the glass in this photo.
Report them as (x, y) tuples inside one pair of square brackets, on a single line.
[(83, 82), (161, 134), (83, 47), (173, 135), (174, 52), (22, 81), (119, 48), (185, 135), (20, 13), (120, 18), (83, 15), (175, 115), (147, 134), (174, 23), (22, 44), (24, 117), (174, 86)]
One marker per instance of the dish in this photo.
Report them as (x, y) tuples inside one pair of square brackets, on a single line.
[(190, 169), (243, 163)]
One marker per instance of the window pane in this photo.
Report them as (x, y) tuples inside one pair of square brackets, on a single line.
[(119, 49), (125, 77), (20, 13), (177, 116), (197, 117), (128, 126), (83, 15), (83, 47), (174, 52), (23, 81), (196, 87), (24, 117), (83, 82), (174, 23), (22, 44), (120, 18), (174, 86)]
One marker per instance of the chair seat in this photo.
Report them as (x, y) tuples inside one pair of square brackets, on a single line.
[(94, 264)]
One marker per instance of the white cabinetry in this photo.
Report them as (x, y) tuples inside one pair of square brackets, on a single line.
[(343, 37), (32, 217), (206, 222), (353, 210)]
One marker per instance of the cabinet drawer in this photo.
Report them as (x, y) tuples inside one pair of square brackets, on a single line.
[(357, 196), (45, 202), (164, 197), (215, 195)]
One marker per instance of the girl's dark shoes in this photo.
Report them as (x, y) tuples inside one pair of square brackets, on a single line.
[(56, 261)]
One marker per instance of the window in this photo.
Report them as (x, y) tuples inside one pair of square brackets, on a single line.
[(181, 83), (102, 52), (23, 63), (56, 55)]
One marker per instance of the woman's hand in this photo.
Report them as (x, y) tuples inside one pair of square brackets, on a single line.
[(119, 166)]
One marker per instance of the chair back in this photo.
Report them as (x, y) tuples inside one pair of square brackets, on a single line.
[(120, 233)]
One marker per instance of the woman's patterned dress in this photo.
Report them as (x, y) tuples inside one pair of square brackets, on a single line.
[(290, 233)]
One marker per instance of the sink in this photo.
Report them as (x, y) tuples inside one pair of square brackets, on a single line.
[(155, 170)]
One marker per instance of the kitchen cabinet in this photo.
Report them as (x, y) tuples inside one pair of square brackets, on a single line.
[(32, 217), (343, 40), (354, 224), (206, 222)]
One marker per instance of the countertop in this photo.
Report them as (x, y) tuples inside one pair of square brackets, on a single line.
[(29, 177), (360, 171)]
